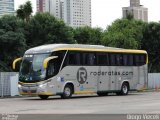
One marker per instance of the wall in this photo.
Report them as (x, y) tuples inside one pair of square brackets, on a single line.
[(8, 84)]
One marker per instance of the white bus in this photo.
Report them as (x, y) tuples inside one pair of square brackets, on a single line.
[(66, 69)]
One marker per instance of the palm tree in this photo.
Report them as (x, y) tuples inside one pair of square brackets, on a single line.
[(20, 12), (24, 11)]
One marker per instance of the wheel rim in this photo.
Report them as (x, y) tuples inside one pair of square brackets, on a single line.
[(67, 91), (125, 89)]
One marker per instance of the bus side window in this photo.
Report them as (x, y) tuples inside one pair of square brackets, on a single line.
[(119, 59), (60, 55), (143, 59), (52, 68), (130, 60), (140, 59), (112, 59), (102, 59), (89, 59), (125, 60), (72, 58)]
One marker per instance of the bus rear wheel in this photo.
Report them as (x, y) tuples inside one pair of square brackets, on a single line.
[(67, 92), (43, 97)]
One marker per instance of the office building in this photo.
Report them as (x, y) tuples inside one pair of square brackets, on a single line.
[(75, 13), (50, 6), (40, 5), (6, 7), (138, 11)]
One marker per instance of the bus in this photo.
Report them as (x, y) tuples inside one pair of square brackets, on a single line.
[(67, 69)]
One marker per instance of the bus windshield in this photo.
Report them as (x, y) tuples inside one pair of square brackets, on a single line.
[(32, 68)]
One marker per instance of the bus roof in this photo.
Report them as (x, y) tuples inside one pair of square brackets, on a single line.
[(79, 47)]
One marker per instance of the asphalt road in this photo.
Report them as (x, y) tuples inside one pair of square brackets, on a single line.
[(88, 107), (134, 103)]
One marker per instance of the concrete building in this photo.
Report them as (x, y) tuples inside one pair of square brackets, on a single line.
[(40, 5), (51, 6), (138, 11), (134, 3), (6, 7), (75, 13)]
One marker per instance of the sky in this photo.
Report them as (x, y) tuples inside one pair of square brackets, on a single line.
[(104, 12)]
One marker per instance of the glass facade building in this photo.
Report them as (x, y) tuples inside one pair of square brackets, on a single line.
[(6, 7)]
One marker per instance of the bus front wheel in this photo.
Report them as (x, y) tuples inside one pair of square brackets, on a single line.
[(67, 92), (43, 97), (124, 89)]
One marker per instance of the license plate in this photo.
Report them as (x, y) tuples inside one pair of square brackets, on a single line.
[(29, 92)]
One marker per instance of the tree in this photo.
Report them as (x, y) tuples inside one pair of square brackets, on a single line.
[(46, 29), (151, 43), (88, 35), (124, 33), (12, 41), (24, 11)]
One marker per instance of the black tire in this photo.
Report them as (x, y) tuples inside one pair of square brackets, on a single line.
[(102, 93), (67, 92), (124, 89), (44, 97)]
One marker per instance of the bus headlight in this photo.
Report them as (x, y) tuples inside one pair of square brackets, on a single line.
[(43, 85), (19, 86)]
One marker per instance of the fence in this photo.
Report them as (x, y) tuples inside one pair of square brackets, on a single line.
[(154, 81), (8, 84)]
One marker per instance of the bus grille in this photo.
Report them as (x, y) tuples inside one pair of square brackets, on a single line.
[(30, 91)]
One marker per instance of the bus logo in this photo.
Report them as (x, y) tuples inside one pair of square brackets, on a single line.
[(82, 75)]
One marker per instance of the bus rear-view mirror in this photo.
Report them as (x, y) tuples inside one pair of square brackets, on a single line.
[(16, 64), (46, 61)]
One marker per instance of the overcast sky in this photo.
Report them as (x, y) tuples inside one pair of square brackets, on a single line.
[(104, 12)]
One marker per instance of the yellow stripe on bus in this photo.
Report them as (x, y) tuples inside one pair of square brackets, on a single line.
[(85, 92), (104, 50), (36, 94)]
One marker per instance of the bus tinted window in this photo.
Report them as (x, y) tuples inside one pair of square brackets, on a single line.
[(112, 59), (125, 59), (60, 55), (102, 59), (130, 60), (89, 59), (140, 59), (119, 59), (73, 58)]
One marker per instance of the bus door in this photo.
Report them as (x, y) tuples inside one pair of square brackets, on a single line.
[(103, 78), (103, 81), (112, 77)]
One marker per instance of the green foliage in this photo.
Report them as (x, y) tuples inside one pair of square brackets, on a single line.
[(88, 35), (17, 35), (12, 41), (24, 11), (124, 33), (151, 43), (46, 29)]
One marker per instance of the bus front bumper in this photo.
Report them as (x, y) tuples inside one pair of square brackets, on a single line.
[(34, 90)]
